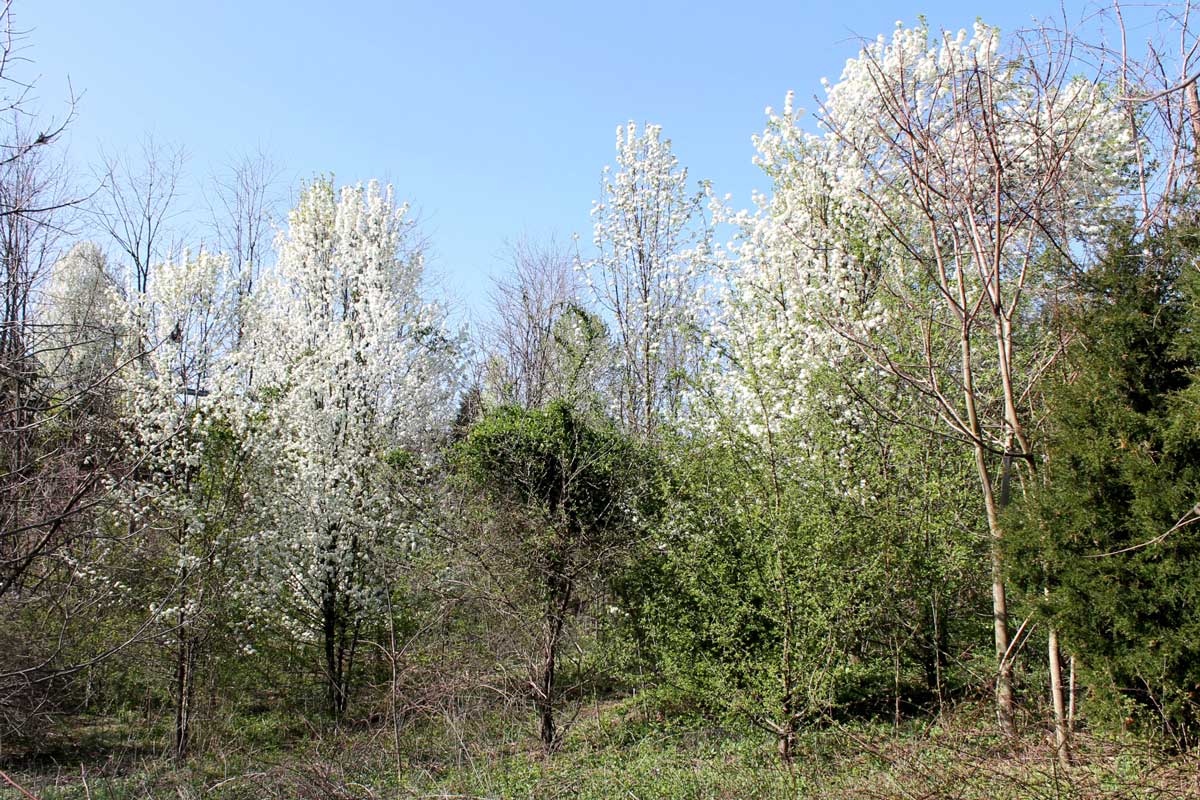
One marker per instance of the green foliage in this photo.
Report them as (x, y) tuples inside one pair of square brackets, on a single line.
[(828, 575), (1108, 531), (582, 478), (561, 499)]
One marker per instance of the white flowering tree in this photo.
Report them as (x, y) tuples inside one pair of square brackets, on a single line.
[(84, 315), (950, 188), (182, 493), (834, 525), (351, 367), (651, 240)]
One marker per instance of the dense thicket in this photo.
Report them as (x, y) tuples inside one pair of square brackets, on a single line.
[(777, 482)]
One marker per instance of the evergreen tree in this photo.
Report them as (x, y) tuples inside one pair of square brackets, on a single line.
[(1107, 539)]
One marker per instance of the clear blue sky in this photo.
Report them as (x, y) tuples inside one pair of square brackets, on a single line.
[(494, 119)]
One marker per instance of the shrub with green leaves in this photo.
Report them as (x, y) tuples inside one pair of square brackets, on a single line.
[(560, 498)]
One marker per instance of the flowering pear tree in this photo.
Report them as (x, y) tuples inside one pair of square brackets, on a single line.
[(351, 366), (949, 187), (651, 238), (182, 494), (83, 314)]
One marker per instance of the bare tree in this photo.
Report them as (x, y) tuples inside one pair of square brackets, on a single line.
[(35, 204), (54, 465), (242, 207), (526, 303), (1157, 78), (139, 200)]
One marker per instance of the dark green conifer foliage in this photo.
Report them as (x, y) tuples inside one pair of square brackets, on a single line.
[(1106, 542)]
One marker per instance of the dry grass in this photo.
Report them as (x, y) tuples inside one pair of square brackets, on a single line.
[(623, 751)]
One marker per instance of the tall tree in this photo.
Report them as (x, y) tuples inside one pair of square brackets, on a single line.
[(351, 364), (919, 225), (652, 241)]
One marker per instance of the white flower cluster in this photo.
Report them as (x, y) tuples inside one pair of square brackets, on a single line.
[(939, 165), (348, 364), (304, 387), (652, 246)]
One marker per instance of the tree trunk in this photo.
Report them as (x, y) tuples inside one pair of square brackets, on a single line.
[(935, 666), (340, 639), (561, 591), (1004, 694), (1062, 741), (185, 681), (1192, 99), (333, 667), (185, 664), (896, 717), (545, 702)]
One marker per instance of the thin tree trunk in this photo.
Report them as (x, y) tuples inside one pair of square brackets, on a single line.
[(939, 654), (561, 592), (546, 702), (185, 660), (1193, 105), (896, 682), (333, 678), (393, 690), (545, 690), (1071, 699), (787, 731), (1062, 742), (1004, 694), (184, 681)]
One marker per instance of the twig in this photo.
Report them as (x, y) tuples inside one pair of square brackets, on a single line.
[(17, 786)]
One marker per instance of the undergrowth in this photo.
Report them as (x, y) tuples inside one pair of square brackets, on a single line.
[(617, 750)]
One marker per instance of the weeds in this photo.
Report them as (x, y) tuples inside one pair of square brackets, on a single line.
[(618, 749)]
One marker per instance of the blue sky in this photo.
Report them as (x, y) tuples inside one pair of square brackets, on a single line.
[(493, 119)]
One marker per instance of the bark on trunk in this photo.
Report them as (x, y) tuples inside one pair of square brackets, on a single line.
[(1062, 739), (1193, 105), (1004, 694), (333, 665), (545, 703), (185, 663), (561, 593)]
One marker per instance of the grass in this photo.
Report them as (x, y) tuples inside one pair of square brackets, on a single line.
[(619, 750)]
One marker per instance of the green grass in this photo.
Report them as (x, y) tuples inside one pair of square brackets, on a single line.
[(619, 750)]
